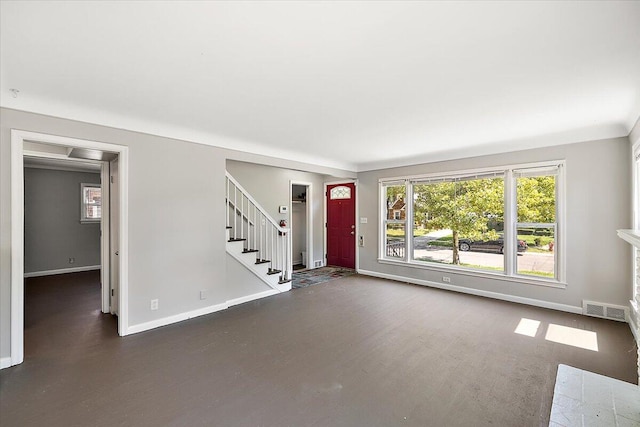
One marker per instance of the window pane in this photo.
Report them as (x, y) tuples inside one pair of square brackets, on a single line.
[(396, 205), (470, 211), (536, 256), (93, 212), (395, 240), (536, 199), (91, 202), (341, 192)]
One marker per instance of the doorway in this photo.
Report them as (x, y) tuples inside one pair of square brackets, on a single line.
[(43, 146), (301, 224), (341, 224)]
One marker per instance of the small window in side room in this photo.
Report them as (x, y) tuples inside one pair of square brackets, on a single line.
[(91, 203)]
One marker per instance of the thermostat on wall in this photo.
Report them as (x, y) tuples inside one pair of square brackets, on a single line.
[(283, 209)]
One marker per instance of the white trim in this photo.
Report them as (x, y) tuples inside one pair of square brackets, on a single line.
[(105, 233), (18, 138), (510, 224), (478, 292), (631, 319), (309, 214), (467, 172), (164, 321), (5, 362), (17, 248), (61, 271), (199, 312), (248, 298), (465, 271), (631, 236), (60, 168)]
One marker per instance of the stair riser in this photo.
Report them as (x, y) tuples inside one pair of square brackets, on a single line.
[(236, 247), (249, 259)]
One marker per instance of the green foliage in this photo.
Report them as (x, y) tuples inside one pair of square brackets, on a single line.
[(475, 208), (465, 207), (537, 199), (394, 192)]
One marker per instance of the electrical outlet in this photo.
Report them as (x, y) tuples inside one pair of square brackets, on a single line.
[(154, 304), (446, 279), (72, 260), (203, 294)]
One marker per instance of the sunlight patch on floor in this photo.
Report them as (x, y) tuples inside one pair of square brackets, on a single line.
[(527, 327), (572, 336)]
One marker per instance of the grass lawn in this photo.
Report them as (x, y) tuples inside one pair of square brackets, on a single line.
[(484, 267)]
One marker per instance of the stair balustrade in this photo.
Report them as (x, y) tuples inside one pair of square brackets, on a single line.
[(249, 222)]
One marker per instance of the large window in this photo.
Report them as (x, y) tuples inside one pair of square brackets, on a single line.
[(503, 221), (394, 221), (91, 206)]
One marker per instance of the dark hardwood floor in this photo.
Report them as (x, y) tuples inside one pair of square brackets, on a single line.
[(355, 351)]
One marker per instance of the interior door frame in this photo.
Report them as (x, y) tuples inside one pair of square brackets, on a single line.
[(356, 220), (309, 213), (104, 223), (18, 138)]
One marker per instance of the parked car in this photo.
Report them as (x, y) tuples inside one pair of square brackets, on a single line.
[(488, 245)]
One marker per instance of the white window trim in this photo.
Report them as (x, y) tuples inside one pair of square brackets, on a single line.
[(510, 270), (83, 218)]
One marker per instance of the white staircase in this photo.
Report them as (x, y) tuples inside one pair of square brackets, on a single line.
[(255, 239)]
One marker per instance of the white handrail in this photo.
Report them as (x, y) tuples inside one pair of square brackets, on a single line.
[(275, 251), (248, 196)]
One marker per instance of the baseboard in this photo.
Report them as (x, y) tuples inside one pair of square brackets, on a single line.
[(478, 292), (248, 298), (175, 318), (62, 271), (5, 362), (197, 313)]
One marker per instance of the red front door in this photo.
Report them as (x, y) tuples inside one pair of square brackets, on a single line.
[(341, 225)]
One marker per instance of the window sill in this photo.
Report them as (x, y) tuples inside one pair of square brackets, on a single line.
[(477, 273), (89, 221)]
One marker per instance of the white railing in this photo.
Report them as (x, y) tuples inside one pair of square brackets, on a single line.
[(249, 221)]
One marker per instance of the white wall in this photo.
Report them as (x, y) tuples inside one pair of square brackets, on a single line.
[(176, 217), (598, 185)]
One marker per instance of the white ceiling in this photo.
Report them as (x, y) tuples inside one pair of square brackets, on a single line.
[(355, 85)]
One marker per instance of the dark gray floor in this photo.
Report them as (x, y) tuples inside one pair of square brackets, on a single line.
[(351, 352)]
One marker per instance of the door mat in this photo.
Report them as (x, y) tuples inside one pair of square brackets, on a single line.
[(302, 279)]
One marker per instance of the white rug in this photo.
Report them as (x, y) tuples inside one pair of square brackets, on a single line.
[(582, 398)]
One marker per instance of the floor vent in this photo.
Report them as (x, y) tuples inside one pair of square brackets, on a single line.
[(606, 311), (318, 264)]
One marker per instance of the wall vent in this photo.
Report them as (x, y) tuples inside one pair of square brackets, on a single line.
[(606, 311)]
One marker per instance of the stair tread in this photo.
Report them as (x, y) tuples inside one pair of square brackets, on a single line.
[(282, 282), (236, 240), (249, 251), (229, 227), (270, 272), (262, 261)]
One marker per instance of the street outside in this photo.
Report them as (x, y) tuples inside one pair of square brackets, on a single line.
[(541, 262)]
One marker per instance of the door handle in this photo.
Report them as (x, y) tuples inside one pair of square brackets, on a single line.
[(353, 233)]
